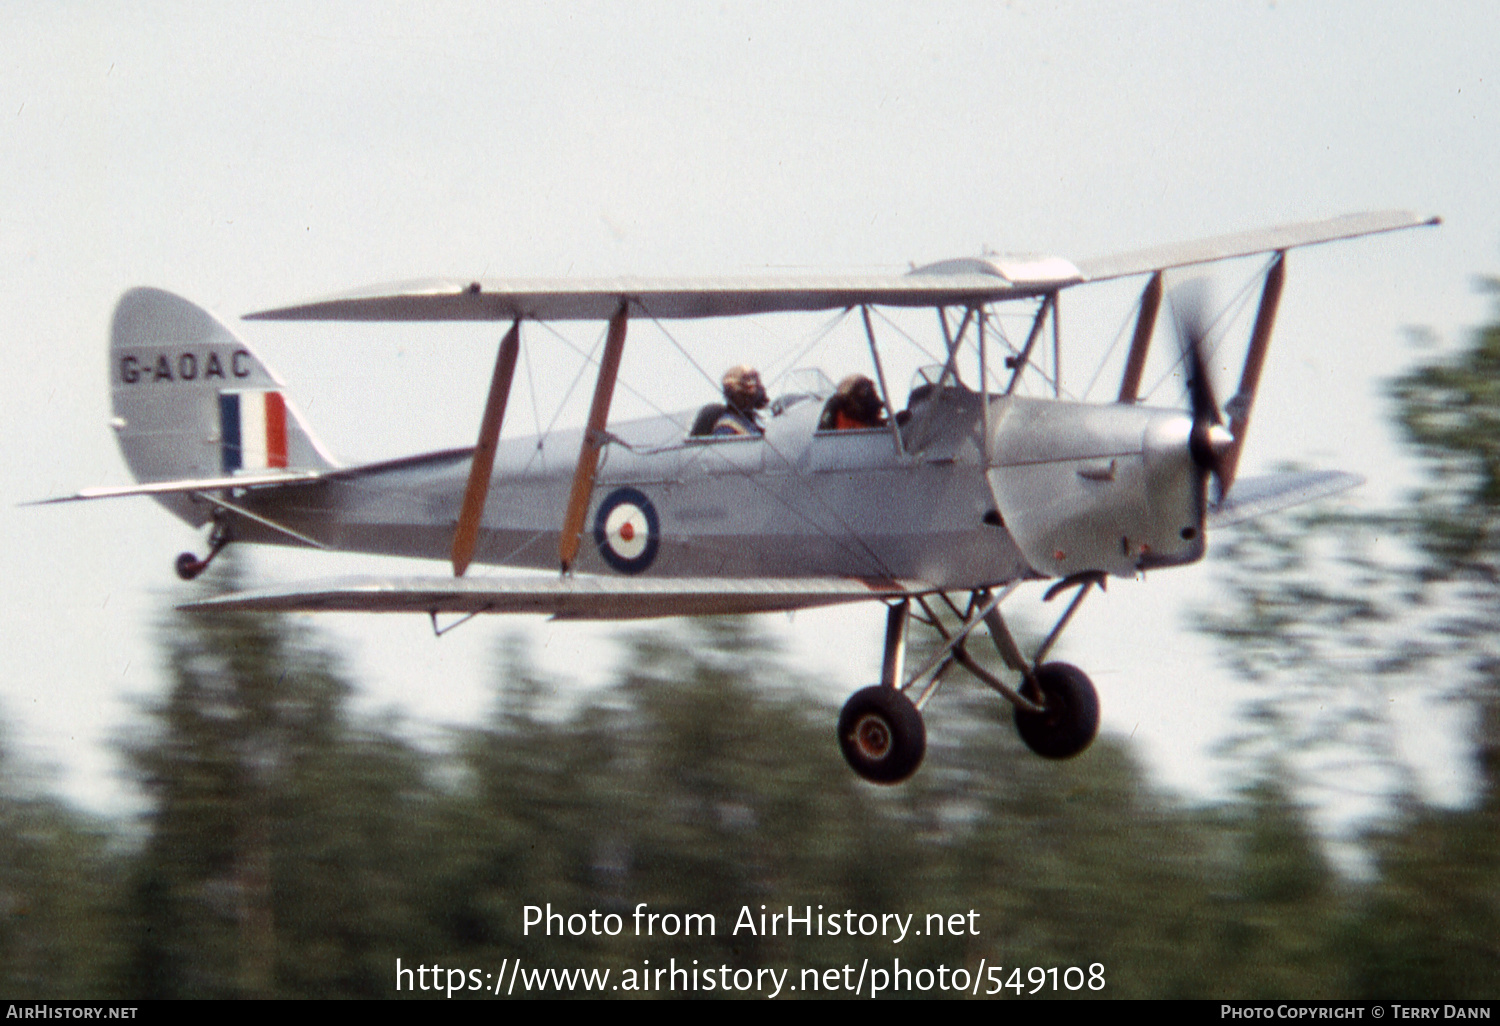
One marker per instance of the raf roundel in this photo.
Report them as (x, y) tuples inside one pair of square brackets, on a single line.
[(627, 530)]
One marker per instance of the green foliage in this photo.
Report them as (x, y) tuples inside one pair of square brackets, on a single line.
[(283, 841), (59, 897), (1334, 614), (293, 849), (689, 789), (1450, 410), (1320, 611)]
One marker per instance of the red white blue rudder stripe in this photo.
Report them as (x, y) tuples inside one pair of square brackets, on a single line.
[(252, 429)]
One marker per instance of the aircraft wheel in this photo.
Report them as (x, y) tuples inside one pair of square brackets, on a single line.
[(882, 735), (189, 566), (1071, 719)]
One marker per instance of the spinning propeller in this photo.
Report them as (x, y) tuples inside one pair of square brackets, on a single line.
[(1212, 445)]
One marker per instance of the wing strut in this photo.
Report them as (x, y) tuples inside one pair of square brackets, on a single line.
[(1239, 407), (1135, 363), (885, 393), (893, 666), (593, 440), (1018, 362), (1056, 349), (950, 368), (984, 387), (467, 533)]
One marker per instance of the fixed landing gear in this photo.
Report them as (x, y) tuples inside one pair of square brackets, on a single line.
[(881, 732), (1069, 720), (189, 566), (882, 735)]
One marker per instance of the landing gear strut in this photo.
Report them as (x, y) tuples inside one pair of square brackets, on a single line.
[(189, 566), (881, 732)]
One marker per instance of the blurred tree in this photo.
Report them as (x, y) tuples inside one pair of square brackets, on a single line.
[(59, 892), (1450, 411), (698, 783), (1412, 603), (1322, 612), (285, 846), (293, 850), (705, 780)]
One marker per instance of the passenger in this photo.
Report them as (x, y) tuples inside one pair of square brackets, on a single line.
[(856, 404), (744, 395)]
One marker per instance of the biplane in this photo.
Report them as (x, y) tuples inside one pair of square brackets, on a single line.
[(952, 498)]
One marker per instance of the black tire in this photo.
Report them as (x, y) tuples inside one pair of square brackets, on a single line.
[(1071, 720), (882, 735), (189, 566)]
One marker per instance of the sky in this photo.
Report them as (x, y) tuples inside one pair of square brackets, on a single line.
[(249, 156)]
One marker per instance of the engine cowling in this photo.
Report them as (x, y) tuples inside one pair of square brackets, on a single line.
[(1087, 487)]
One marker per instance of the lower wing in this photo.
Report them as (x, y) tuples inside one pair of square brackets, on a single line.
[(565, 598)]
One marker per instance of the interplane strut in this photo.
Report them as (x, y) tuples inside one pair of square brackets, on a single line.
[(1239, 407), (472, 512), (593, 440), (1135, 363)]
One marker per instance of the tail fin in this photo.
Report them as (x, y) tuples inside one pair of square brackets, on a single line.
[(193, 401)]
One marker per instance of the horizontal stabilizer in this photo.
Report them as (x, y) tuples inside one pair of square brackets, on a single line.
[(190, 486), (569, 598), (1256, 496), (264, 479)]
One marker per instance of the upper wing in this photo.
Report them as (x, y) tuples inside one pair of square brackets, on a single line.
[(1266, 240), (955, 283), (568, 598), (964, 282)]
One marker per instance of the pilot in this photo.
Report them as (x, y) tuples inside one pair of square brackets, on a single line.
[(855, 404), (744, 395)]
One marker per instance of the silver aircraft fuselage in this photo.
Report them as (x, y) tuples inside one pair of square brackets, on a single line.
[(972, 498)]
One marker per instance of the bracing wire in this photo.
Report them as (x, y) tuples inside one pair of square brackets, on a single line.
[(1227, 315)]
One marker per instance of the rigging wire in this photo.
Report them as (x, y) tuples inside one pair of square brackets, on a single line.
[(789, 363), (1227, 316), (1037, 369), (536, 410), (905, 334), (1130, 315), (750, 475), (678, 346)]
